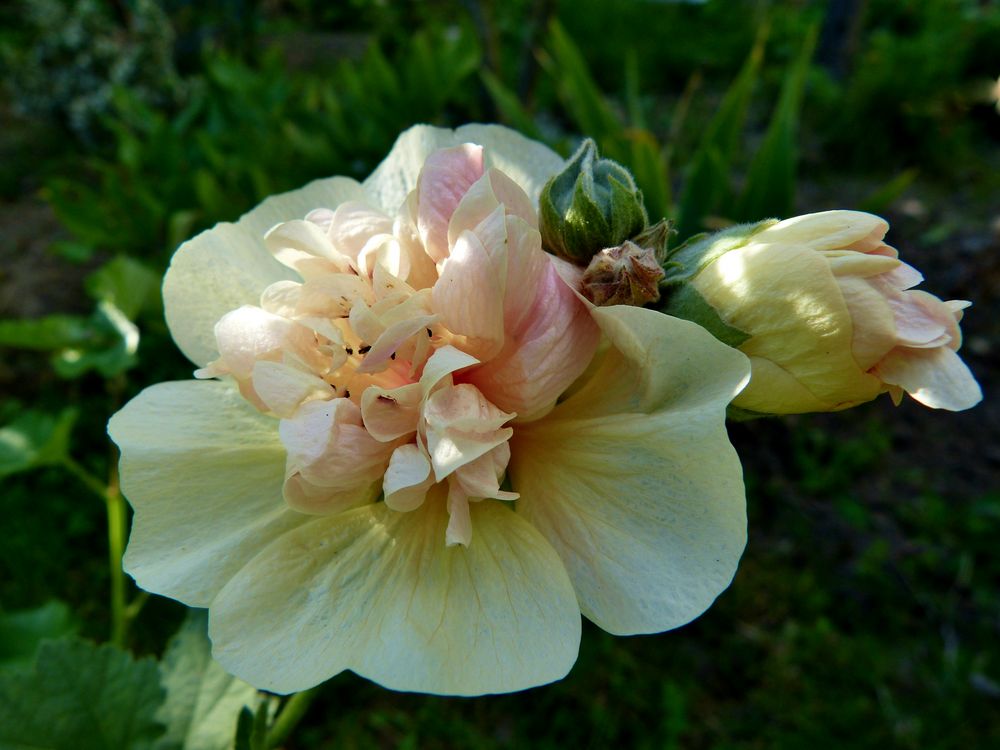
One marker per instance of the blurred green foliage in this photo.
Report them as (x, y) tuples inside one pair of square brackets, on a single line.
[(864, 613)]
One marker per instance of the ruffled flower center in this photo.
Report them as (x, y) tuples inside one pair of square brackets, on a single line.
[(411, 345)]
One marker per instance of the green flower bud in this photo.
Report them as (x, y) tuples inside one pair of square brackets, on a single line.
[(591, 205)]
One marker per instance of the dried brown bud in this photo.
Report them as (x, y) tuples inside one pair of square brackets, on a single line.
[(624, 275)]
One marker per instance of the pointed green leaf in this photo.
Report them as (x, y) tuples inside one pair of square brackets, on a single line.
[(770, 185)]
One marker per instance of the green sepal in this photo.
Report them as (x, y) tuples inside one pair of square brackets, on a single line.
[(702, 249), (686, 302), (736, 414)]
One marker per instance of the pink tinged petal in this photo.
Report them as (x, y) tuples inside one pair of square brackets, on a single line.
[(874, 327), (329, 447), (526, 271), (903, 276), (353, 225), (491, 190), (384, 251), (423, 270), (304, 246), (633, 479), (442, 363), (446, 176), (391, 413), (379, 356), (248, 334), (461, 426), (407, 478), (481, 478), (459, 529), (377, 592), (332, 295), (937, 378), (557, 341), (281, 298), (202, 469), (321, 217), (468, 296), (922, 320), (228, 266), (283, 388)]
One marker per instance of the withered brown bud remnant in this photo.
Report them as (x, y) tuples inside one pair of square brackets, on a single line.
[(623, 275)]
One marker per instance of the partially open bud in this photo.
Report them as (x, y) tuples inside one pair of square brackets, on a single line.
[(591, 205), (826, 313), (624, 275)]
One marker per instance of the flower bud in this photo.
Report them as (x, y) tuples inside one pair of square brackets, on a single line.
[(591, 205), (825, 311), (624, 275)]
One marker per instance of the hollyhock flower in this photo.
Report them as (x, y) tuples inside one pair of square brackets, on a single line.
[(419, 461), (827, 314)]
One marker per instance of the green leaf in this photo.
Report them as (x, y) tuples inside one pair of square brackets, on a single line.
[(770, 185), (114, 351), (577, 89), (888, 193), (126, 283), (203, 701), (81, 697), (35, 439), (706, 185), (512, 112), (22, 632), (45, 334), (251, 730)]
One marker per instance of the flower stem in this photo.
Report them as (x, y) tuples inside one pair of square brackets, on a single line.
[(115, 507), (291, 714)]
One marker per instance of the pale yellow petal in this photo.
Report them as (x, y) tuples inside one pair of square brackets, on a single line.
[(229, 266), (633, 479), (379, 593), (203, 470), (805, 326), (826, 230)]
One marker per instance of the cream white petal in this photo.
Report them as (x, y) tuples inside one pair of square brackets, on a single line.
[(229, 266), (529, 163), (633, 479), (379, 593), (203, 470)]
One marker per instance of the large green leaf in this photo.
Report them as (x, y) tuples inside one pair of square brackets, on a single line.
[(81, 697), (22, 632), (203, 701)]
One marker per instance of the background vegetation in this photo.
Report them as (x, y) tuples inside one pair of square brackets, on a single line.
[(865, 613)]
